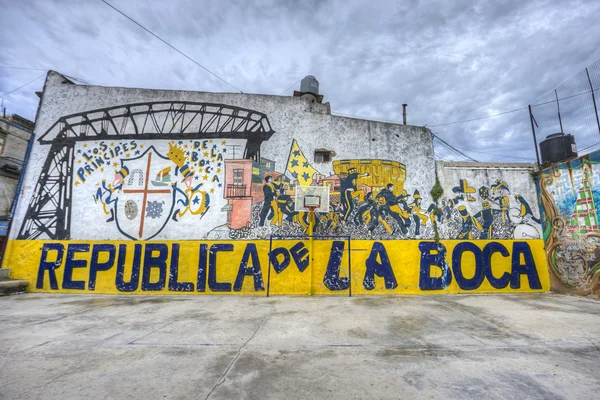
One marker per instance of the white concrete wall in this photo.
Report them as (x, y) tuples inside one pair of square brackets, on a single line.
[(519, 181), (291, 118)]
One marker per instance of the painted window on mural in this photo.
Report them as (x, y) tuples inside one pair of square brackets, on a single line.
[(322, 156), (238, 177)]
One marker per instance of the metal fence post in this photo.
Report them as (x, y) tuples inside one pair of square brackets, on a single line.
[(537, 153), (593, 99)]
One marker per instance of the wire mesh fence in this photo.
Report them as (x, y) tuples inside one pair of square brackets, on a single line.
[(571, 108)]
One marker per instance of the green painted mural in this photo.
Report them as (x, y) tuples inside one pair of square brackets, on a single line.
[(569, 193)]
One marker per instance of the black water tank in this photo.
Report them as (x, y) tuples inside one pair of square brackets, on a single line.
[(558, 147)]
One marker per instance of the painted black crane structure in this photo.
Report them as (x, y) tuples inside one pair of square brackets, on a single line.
[(49, 211)]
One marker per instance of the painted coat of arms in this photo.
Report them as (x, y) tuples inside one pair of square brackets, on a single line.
[(149, 188)]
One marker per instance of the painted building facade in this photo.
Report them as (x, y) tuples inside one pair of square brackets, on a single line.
[(569, 194), (136, 190), (15, 134)]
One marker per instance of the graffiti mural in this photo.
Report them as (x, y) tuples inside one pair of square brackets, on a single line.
[(172, 170), (146, 189), (163, 160), (569, 194), (492, 211), (156, 191), (367, 200)]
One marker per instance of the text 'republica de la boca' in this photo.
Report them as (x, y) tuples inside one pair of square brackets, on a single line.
[(243, 267)]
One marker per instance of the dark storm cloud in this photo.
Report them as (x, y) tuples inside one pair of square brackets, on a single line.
[(449, 60)]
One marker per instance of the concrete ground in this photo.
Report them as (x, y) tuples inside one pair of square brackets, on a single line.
[(434, 347)]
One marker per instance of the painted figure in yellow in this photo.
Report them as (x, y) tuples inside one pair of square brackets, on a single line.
[(197, 203), (377, 213), (464, 188), (468, 222), (391, 204), (348, 187), (177, 155), (486, 213), (501, 193), (330, 220), (419, 217), (285, 207), (299, 219)]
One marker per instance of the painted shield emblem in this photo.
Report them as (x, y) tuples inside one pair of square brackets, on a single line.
[(145, 204)]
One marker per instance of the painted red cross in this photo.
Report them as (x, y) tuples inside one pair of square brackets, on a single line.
[(145, 191)]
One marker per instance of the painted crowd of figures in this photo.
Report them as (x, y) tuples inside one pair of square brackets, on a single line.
[(404, 215)]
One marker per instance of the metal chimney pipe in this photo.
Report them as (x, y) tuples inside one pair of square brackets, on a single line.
[(404, 113)]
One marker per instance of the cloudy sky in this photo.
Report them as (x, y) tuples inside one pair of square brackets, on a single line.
[(449, 60)]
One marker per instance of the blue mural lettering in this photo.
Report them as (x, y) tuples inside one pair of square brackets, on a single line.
[(245, 270), (528, 268), (488, 252), (298, 251), (71, 263), (212, 268), (457, 255), (278, 265), (201, 278), (433, 254), (332, 278), (49, 266), (381, 268), (134, 281), (155, 261)]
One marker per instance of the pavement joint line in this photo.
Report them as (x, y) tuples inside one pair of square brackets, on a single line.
[(222, 378), (150, 333), (433, 348)]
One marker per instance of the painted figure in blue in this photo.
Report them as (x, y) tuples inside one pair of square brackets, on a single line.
[(286, 206), (270, 190), (348, 188), (525, 210), (419, 217), (486, 214), (468, 222), (391, 204), (361, 213), (435, 212), (501, 192)]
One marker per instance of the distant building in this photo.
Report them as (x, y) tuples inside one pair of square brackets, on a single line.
[(15, 133)]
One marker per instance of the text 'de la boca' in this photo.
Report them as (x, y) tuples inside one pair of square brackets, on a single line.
[(296, 267)]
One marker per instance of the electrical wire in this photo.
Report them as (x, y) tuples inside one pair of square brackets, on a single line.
[(30, 69), (492, 154), (170, 45), (22, 86), (451, 147), (291, 86), (479, 118)]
